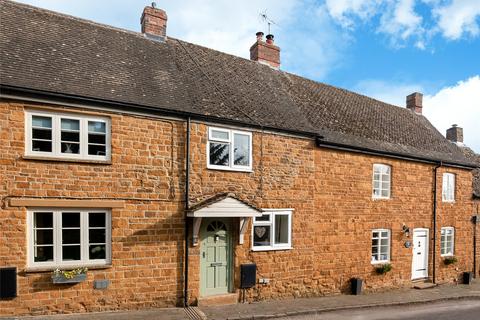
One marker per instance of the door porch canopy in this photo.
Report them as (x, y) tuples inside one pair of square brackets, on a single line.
[(224, 205)]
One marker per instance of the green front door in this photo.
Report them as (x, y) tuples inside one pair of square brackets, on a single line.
[(215, 257)]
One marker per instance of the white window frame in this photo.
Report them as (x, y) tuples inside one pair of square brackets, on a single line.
[(443, 234), (448, 187), (389, 237), (381, 181), (57, 239), (56, 136), (271, 222), (231, 133)]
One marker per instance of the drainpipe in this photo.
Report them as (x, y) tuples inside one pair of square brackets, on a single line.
[(475, 222), (435, 222), (187, 189)]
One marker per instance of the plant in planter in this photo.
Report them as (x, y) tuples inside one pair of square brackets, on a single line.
[(450, 260), (383, 268), (72, 276)]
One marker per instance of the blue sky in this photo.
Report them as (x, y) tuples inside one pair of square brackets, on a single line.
[(382, 48)]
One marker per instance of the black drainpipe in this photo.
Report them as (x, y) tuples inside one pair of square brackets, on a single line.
[(435, 222), (187, 207), (475, 222)]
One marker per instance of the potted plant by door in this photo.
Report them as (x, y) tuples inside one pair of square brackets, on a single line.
[(72, 276)]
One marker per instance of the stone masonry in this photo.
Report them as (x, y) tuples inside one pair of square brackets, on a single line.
[(330, 192)]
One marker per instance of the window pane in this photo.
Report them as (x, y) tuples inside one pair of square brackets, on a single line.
[(261, 236), (44, 146), (96, 235), (96, 150), (43, 134), (96, 138), (43, 122), (264, 217), (71, 220), (375, 234), (43, 254), (43, 237), (97, 252), (241, 151), (281, 229), (96, 219), (220, 135), (43, 220), (71, 253), (96, 126), (384, 234), (70, 148), (71, 236), (385, 193), (69, 136), (70, 124), (374, 242), (219, 154)]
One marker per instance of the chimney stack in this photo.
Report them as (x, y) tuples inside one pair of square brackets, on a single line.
[(265, 52), (154, 22), (414, 102), (455, 134)]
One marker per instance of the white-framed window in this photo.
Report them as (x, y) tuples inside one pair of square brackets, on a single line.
[(447, 241), (273, 230), (229, 149), (381, 181), (380, 246), (69, 136), (448, 187), (68, 237)]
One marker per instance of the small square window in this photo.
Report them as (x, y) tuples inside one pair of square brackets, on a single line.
[(229, 150), (273, 230)]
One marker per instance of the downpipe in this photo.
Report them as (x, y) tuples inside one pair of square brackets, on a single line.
[(187, 207)]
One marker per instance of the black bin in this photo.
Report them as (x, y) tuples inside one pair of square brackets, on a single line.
[(248, 275), (8, 283), (467, 277), (356, 285)]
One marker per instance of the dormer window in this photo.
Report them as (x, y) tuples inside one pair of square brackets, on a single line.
[(229, 149)]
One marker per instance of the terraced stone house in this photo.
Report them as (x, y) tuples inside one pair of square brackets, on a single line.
[(167, 168)]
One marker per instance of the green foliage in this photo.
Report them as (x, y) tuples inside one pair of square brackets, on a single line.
[(383, 268), (450, 260), (69, 274)]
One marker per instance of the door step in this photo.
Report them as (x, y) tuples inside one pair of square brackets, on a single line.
[(424, 285), (219, 300)]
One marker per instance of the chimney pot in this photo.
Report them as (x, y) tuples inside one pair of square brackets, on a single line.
[(154, 22), (455, 134), (265, 52), (414, 102)]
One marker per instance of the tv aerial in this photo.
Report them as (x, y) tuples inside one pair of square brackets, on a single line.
[(266, 19)]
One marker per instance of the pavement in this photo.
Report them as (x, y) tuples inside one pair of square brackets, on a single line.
[(290, 307)]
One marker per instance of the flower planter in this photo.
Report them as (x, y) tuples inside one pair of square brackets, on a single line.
[(59, 279)]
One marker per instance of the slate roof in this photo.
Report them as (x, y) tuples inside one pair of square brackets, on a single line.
[(55, 53), (475, 157)]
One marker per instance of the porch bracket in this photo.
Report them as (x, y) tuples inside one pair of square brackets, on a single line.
[(243, 228), (197, 222)]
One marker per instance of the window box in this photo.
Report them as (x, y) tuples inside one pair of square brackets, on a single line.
[(273, 230), (383, 268), (229, 150), (450, 260), (59, 136), (74, 276)]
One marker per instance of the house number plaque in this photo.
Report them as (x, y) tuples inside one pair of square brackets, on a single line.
[(408, 244)]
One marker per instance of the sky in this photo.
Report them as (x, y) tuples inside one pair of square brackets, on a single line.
[(385, 49)]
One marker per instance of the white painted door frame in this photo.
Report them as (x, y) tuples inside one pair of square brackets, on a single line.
[(420, 253)]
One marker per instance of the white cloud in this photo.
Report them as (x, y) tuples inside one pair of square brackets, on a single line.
[(344, 11), (457, 104), (458, 18), (401, 21)]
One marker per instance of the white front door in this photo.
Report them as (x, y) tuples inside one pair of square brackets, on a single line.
[(420, 254)]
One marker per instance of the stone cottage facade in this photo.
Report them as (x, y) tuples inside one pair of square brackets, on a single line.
[(163, 167)]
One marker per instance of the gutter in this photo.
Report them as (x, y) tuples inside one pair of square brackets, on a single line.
[(435, 222), (187, 207), (389, 154)]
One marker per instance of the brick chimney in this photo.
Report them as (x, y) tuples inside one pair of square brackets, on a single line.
[(154, 22), (265, 52), (455, 134), (414, 102)]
